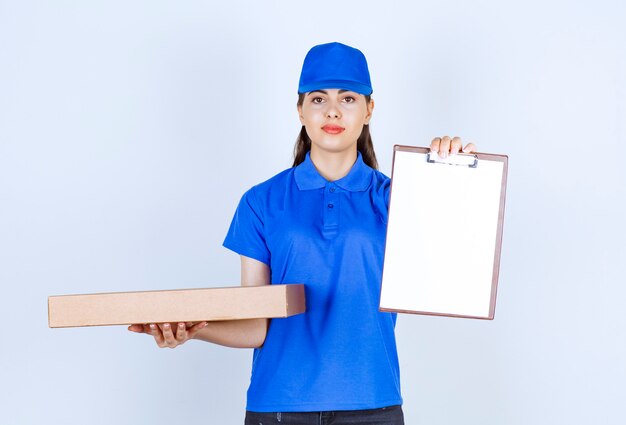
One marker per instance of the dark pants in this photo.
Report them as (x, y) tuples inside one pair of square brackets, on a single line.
[(391, 415)]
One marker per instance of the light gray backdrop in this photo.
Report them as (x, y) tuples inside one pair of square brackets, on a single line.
[(130, 129)]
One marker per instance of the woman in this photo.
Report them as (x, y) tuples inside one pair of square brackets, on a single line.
[(321, 223)]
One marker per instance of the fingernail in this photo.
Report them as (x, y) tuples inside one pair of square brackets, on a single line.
[(152, 326), (166, 326), (181, 325)]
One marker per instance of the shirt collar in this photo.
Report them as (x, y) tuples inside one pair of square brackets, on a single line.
[(357, 180)]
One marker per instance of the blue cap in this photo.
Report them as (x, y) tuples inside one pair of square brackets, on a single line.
[(335, 66)]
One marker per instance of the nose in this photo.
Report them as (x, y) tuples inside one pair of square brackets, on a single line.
[(332, 111)]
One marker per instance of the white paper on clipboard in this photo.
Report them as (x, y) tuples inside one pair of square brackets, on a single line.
[(444, 233)]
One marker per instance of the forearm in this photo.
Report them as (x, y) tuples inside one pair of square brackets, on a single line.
[(248, 333), (241, 333)]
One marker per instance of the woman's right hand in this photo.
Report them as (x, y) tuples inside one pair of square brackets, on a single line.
[(169, 335)]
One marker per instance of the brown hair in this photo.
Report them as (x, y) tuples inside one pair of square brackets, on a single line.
[(364, 143)]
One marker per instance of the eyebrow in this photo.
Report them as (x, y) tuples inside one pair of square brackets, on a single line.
[(325, 92)]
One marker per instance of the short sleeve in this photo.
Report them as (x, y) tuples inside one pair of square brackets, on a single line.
[(246, 233)]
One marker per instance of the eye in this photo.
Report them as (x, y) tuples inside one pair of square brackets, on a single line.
[(349, 99), (317, 100)]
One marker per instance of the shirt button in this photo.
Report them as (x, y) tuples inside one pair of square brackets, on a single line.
[(332, 189), (330, 205)]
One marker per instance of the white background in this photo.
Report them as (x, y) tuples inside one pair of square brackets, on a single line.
[(130, 129)]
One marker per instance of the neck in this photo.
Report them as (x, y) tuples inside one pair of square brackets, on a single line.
[(333, 165)]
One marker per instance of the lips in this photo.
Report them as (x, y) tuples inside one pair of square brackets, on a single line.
[(332, 129)]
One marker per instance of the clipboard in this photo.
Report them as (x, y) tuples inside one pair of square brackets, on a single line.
[(444, 233)]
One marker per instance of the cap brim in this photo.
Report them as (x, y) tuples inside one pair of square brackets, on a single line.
[(336, 84)]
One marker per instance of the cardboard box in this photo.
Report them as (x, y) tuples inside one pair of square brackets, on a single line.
[(181, 305)]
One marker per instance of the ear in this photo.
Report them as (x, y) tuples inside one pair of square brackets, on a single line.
[(370, 109), (300, 114)]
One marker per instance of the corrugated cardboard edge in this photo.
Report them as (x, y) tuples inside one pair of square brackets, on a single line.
[(296, 299), (293, 294)]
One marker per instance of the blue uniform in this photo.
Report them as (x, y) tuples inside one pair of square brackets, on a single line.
[(341, 354)]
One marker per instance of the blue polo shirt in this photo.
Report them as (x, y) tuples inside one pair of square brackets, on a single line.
[(341, 354)]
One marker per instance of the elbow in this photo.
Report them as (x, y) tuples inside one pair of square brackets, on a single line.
[(258, 342), (255, 335), (260, 333)]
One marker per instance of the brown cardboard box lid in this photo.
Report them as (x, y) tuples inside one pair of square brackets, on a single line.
[(178, 305)]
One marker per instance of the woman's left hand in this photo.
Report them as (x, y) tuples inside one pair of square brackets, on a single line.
[(445, 146)]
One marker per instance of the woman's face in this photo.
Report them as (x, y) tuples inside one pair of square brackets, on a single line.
[(334, 118)]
